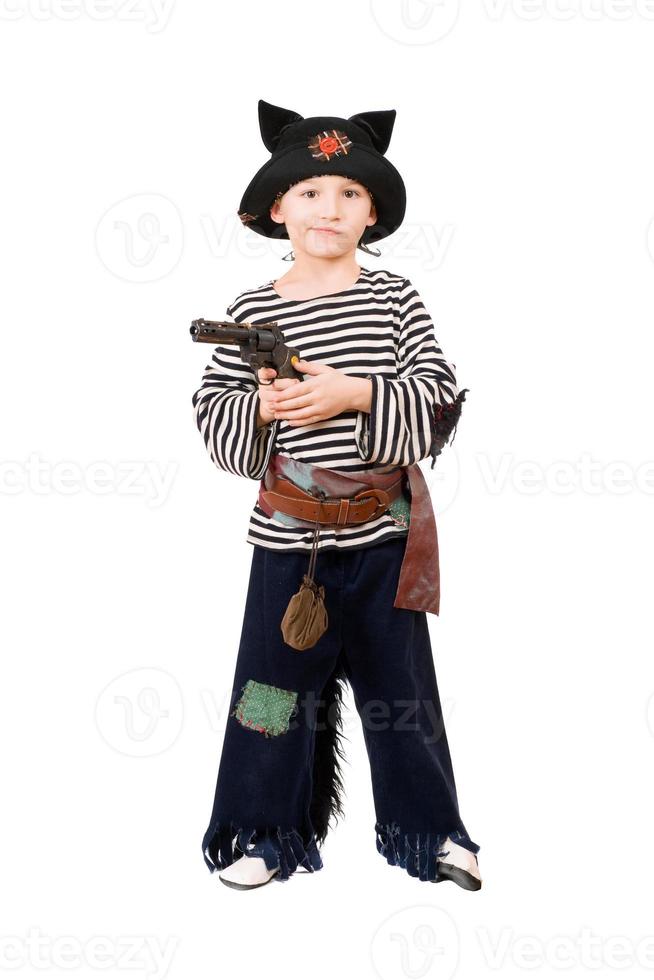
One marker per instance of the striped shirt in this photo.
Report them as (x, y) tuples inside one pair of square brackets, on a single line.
[(377, 328)]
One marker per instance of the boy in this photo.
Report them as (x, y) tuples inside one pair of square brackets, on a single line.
[(337, 458)]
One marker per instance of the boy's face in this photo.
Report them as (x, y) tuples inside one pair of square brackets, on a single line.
[(329, 201)]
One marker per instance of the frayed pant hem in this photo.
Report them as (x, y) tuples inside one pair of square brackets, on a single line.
[(418, 852), (283, 848)]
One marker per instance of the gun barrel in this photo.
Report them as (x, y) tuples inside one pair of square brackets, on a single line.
[(217, 332), (209, 332)]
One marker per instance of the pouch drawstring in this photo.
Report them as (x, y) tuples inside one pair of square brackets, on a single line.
[(316, 536)]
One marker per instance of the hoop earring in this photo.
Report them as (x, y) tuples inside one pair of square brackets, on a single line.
[(289, 256)]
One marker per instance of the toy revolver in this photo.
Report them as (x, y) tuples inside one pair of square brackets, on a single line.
[(261, 344)]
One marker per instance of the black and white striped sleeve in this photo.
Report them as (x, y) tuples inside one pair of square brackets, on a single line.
[(225, 407), (400, 427)]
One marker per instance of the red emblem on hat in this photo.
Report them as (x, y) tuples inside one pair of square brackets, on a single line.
[(330, 143)]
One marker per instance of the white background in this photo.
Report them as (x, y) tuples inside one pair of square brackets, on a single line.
[(524, 135)]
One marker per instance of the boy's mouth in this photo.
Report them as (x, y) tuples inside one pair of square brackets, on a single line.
[(329, 231)]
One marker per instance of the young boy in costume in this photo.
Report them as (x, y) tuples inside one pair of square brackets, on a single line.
[(337, 457)]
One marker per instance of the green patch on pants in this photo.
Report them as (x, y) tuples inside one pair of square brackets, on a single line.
[(265, 708)]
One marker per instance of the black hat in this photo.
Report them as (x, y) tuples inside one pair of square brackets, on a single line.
[(319, 145)]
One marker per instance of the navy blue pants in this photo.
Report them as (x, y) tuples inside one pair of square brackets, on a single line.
[(279, 775)]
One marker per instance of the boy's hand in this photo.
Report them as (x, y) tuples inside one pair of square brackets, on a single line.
[(327, 393), (268, 391)]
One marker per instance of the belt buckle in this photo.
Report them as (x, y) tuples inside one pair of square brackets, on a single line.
[(382, 501)]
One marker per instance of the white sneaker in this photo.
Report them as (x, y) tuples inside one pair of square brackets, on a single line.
[(247, 872), (459, 865)]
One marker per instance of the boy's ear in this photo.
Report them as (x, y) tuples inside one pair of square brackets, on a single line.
[(379, 126), (273, 120)]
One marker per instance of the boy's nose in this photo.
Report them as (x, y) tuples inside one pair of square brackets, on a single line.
[(329, 208)]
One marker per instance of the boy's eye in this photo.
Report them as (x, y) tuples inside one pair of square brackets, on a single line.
[(348, 190)]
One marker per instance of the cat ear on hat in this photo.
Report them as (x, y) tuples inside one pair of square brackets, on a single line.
[(273, 120), (379, 126)]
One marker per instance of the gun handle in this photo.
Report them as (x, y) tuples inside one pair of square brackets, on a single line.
[(285, 367)]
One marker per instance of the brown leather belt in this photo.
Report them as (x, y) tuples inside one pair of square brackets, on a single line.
[(419, 581), (330, 511)]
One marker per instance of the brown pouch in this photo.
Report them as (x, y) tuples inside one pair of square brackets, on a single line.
[(305, 619)]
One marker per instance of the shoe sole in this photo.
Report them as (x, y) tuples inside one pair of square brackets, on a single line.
[(450, 872), (242, 887)]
